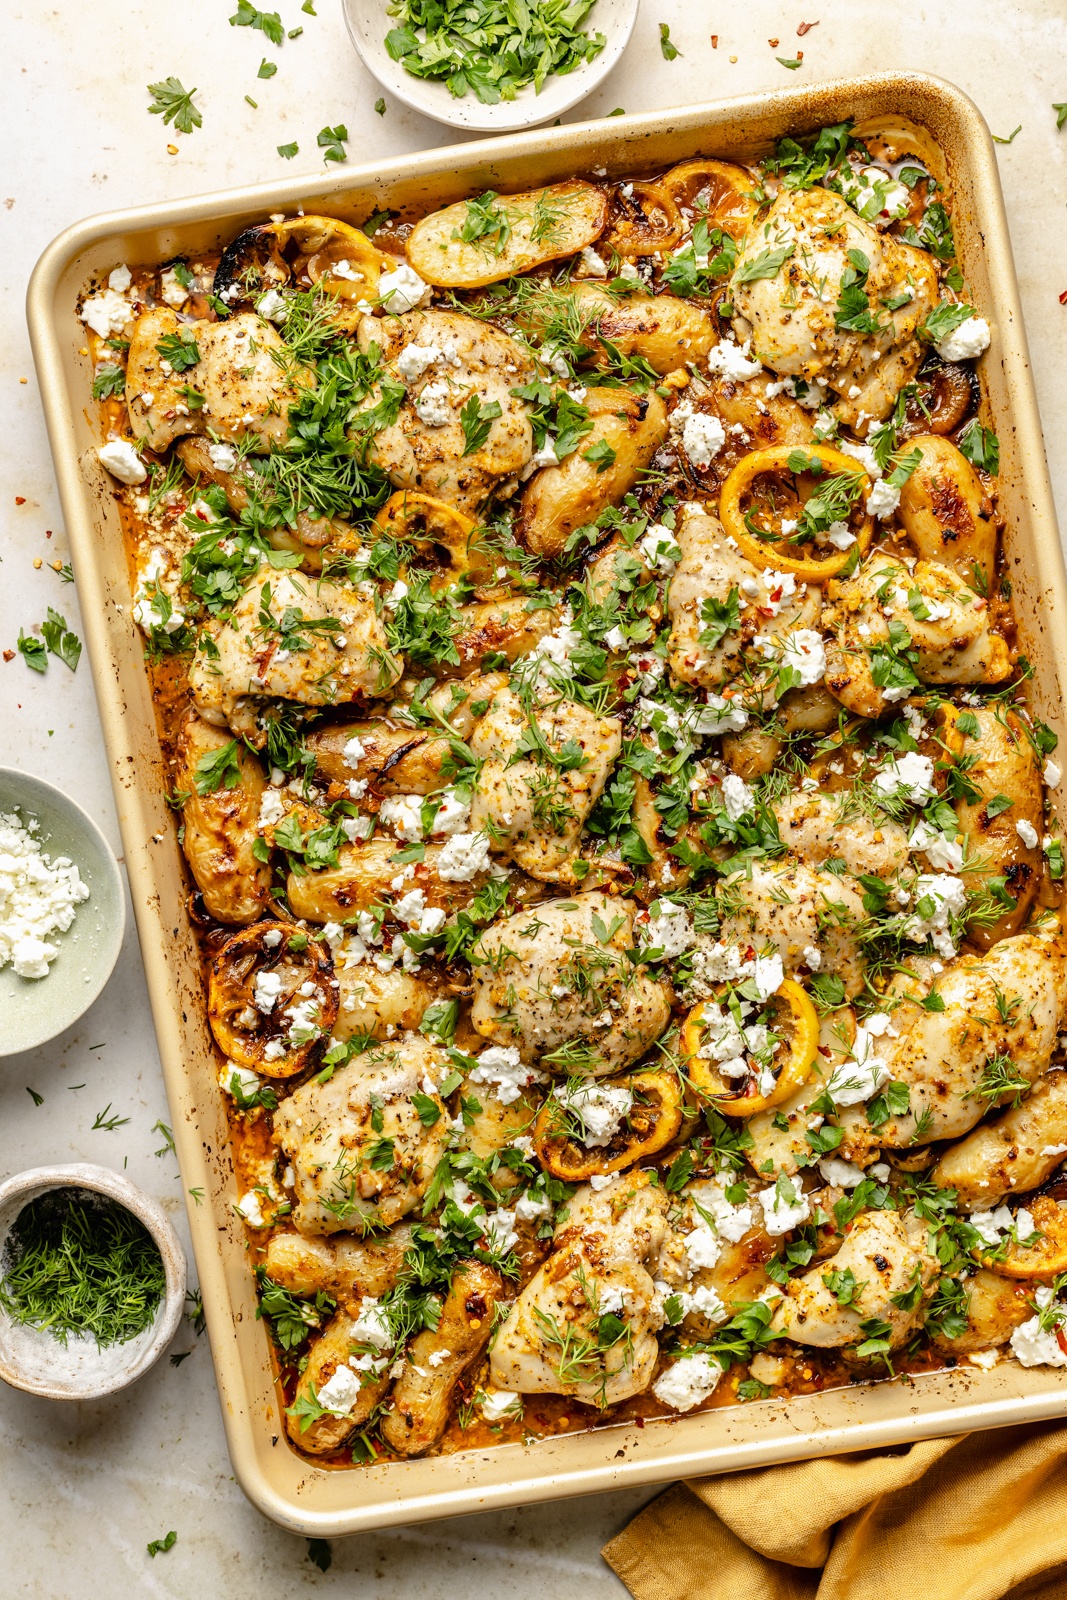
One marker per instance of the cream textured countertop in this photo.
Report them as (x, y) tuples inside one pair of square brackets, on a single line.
[(85, 1487)]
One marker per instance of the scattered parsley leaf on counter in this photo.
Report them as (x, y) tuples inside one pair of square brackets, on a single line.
[(998, 140), (288, 151), (492, 48), (1061, 112), (60, 640), (108, 1124), (167, 1543), (33, 652), (320, 1554), (332, 141), (174, 103), (38, 1099), (268, 22), (792, 65), (267, 69), (253, 103), (379, 106), (309, 8), (669, 50)]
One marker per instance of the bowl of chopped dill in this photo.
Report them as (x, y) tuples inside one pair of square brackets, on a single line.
[(92, 1281), (489, 65)]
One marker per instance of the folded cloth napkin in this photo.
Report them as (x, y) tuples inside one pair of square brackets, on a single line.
[(982, 1517)]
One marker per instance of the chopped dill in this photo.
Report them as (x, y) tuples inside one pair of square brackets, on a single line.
[(77, 1263)]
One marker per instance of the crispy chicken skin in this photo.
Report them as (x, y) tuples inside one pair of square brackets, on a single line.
[(480, 365), (326, 1131), (559, 975), (534, 807), (791, 316), (246, 391), (601, 1255)]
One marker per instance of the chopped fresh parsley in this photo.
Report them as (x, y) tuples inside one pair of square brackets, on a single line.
[(491, 48)]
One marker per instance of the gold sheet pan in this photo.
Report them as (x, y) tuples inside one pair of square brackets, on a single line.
[(303, 1497)]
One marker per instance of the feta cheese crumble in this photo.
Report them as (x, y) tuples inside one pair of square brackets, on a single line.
[(689, 1381), (37, 898), (122, 461), (403, 290), (967, 341)]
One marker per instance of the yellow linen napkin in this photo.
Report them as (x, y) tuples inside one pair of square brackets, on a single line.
[(982, 1517)]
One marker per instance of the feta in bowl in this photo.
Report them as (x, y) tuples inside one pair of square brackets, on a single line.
[(62, 911)]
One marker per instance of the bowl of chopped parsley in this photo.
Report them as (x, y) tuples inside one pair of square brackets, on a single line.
[(490, 65), (92, 1281)]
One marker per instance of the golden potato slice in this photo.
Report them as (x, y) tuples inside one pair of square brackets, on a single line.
[(490, 237)]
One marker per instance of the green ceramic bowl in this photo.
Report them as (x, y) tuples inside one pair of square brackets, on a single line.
[(34, 1010)]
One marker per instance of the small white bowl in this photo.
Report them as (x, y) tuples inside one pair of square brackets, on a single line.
[(37, 1009), (30, 1358), (369, 22)]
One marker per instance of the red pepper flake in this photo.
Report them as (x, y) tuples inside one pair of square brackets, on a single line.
[(1063, 302), (800, 55), (48, 533), (20, 499), (773, 43), (1060, 1339), (715, 41), (9, 655), (805, 27)]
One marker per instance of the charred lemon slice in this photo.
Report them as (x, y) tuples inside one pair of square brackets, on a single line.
[(796, 1024), (1047, 1256), (304, 251), (436, 529), (653, 1120), (786, 460), (271, 999), (646, 221), (723, 193)]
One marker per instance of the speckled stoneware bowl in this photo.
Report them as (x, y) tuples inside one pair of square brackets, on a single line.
[(34, 1010), (369, 21), (30, 1358)]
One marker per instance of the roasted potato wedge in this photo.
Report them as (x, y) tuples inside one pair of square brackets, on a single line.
[(560, 499), (996, 1306), (422, 1399), (258, 1009), (660, 329), (379, 1003), (1005, 769), (946, 512), (542, 225), (363, 876), (320, 1435), (220, 826), (1013, 1154), (345, 1267)]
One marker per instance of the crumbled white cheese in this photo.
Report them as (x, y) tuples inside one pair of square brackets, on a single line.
[(122, 461), (452, 814), (1052, 774), (223, 456), (434, 405), (595, 265), (854, 1081), (496, 1404), (1027, 833), (250, 1209), (803, 649), (414, 360), (372, 1326), (403, 813), (703, 437), (1034, 1346), (939, 896), (272, 306), (107, 313), (173, 290), (502, 1067), (530, 1207), (340, 1393), (464, 857), (785, 1207), (943, 853), (265, 990), (403, 290), (247, 1080), (966, 342), (733, 361), (702, 1247), (669, 928), (883, 499), (737, 798), (659, 548), (120, 278), (843, 1174), (704, 1302), (690, 1380), (37, 898), (910, 773), (599, 1109)]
